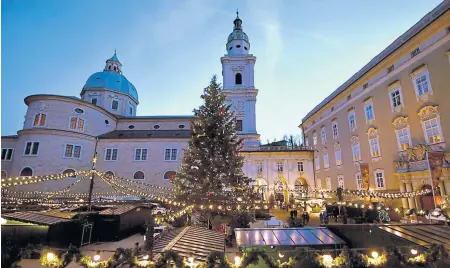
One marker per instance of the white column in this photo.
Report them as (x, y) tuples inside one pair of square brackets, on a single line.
[(404, 200), (410, 199)]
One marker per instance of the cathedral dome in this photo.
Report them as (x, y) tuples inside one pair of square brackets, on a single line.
[(112, 79)]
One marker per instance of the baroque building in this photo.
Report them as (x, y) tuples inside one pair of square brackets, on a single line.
[(62, 134), (389, 116)]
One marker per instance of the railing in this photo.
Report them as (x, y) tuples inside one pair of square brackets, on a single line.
[(280, 148)]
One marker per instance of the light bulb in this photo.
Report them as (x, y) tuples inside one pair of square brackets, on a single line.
[(374, 254)]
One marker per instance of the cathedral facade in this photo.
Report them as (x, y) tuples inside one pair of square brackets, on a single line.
[(62, 134)]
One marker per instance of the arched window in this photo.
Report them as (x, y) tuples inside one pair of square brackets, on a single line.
[(139, 175), (26, 172), (109, 173), (238, 79), (4, 174), (169, 175), (70, 171)]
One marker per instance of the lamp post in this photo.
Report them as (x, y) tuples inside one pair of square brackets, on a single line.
[(91, 186)]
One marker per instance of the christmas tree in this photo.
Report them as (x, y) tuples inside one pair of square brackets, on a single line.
[(212, 167)]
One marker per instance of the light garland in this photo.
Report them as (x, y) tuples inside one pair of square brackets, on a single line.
[(17, 181)]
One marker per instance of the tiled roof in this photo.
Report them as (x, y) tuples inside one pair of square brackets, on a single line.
[(146, 134), (34, 218), (410, 33)]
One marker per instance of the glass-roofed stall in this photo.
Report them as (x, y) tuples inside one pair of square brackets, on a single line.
[(287, 239)]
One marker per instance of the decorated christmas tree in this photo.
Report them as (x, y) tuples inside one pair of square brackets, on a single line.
[(212, 167)]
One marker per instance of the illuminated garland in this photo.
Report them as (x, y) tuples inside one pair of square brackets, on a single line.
[(17, 181), (151, 186)]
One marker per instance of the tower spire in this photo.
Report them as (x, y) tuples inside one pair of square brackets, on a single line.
[(237, 22)]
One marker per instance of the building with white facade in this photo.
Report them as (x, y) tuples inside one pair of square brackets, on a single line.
[(61, 134)]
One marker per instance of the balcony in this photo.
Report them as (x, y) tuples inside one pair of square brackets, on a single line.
[(279, 149), (414, 159)]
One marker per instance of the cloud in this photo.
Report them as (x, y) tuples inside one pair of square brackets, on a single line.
[(265, 15)]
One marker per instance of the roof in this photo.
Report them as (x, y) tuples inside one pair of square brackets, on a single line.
[(317, 236), (422, 234), (34, 218), (112, 81), (157, 117), (114, 58), (122, 209), (197, 242), (403, 39), (146, 134)]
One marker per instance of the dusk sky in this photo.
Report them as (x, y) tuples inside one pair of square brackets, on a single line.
[(170, 49)]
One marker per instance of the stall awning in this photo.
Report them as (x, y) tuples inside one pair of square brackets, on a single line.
[(286, 237), (34, 218), (421, 234)]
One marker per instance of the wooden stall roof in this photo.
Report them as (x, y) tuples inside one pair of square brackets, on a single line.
[(121, 209), (197, 242), (35, 218), (421, 234)]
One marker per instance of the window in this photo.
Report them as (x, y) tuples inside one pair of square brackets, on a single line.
[(374, 147), (111, 154), (317, 163), (94, 101), (300, 166), (334, 128), (7, 154), (72, 151), (259, 167), (356, 151), (328, 183), (139, 175), (76, 123), (131, 110), (114, 105), (318, 184), (181, 126), (369, 111), (432, 131), (280, 166), (26, 172), (169, 175), (379, 179), (306, 141), (156, 127), (403, 139), (314, 139), (351, 121), (238, 125), (326, 161), (31, 148), (140, 154), (359, 182), (39, 120), (78, 111), (109, 173), (170, 155), (340, 180), (415, 52), (238, 79), (323, 136), (396, 98), (422, 84), (338, 156), (71, 172)]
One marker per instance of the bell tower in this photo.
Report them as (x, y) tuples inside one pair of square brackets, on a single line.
[(238, 83)]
